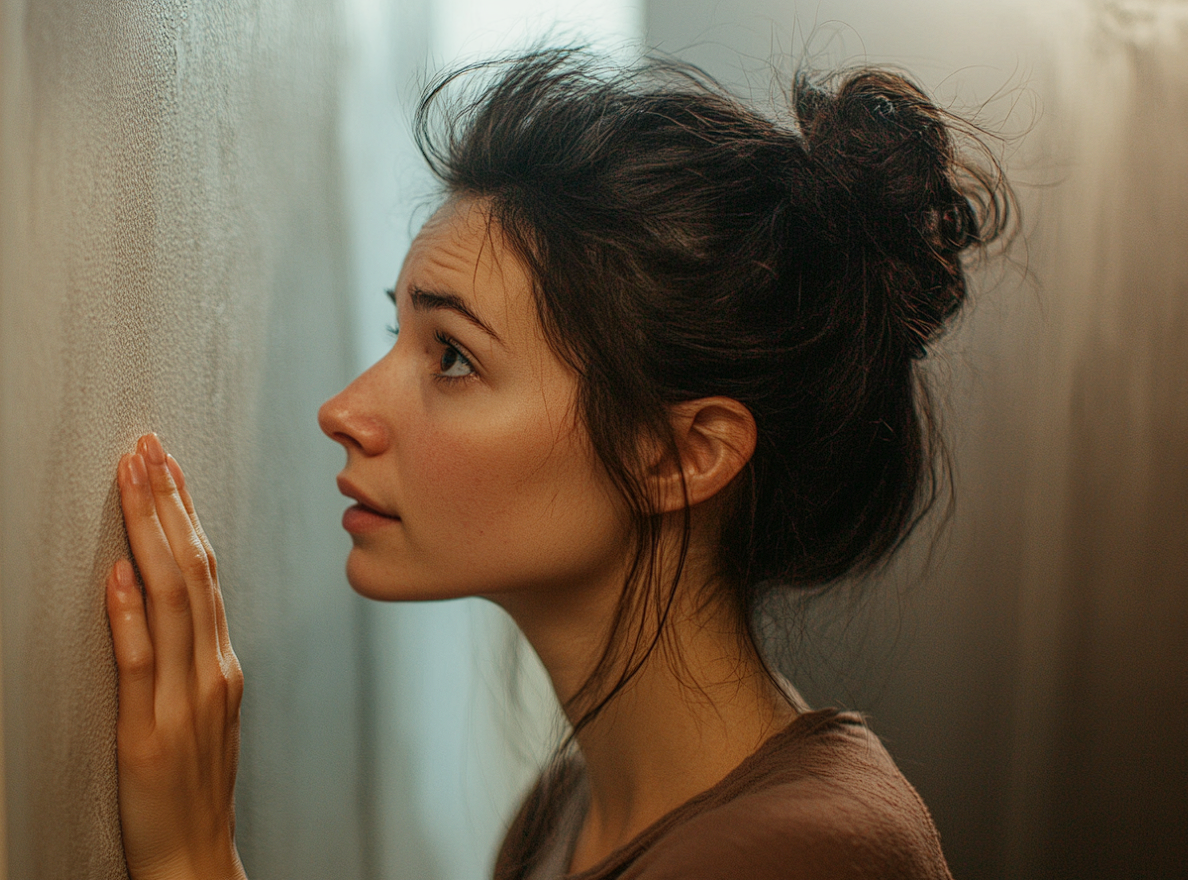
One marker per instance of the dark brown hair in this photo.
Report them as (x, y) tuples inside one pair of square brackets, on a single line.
[(684, 246)]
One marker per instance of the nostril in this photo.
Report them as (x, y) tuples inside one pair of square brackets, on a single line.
[(342, 437)]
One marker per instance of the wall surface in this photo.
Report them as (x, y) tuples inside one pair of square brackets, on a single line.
[(1033, 683), (172, 259)]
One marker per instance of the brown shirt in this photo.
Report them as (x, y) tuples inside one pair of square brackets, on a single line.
[(820, 799)]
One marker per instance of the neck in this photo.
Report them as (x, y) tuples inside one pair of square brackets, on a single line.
[(699, 705)]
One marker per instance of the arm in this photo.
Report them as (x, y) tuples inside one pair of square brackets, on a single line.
[(180, 684)]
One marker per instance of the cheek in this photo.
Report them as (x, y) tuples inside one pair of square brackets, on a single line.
[(517, 501), (461, 482)]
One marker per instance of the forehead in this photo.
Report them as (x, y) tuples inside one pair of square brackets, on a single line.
[(461, 251)]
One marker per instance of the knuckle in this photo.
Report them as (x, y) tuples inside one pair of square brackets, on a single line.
[(205, 542), (125, 603), (194, 562), (234, 679), (136, 664), (220, 694), (174, 597), (140, 756), (215, 690), (199, 531), (233, 674)]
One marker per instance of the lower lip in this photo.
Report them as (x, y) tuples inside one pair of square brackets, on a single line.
[(357, 519)]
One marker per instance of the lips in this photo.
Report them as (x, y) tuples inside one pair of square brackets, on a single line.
[(365, 503)]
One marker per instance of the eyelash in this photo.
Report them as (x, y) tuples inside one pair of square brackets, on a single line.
[(451, 343), (448, 342), (443, 339)]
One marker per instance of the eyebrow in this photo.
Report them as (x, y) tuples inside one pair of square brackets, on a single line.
[(429, 300)]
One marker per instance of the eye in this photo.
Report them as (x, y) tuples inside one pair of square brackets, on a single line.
[(454, 364)]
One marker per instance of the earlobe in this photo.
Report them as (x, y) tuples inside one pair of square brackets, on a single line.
[(714, 438)]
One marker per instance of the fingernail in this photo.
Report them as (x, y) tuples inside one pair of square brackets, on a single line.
[(137, 471), (175, 469), (154, 450)]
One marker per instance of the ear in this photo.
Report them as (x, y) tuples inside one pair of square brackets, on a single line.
[(715, 438)]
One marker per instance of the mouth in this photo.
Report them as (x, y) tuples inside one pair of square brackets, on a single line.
[(365, 515)]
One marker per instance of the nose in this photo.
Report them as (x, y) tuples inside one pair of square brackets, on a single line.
[(346, 418)]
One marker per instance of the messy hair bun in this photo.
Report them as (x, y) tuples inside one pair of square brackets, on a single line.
[(882, 172), (683, 245)]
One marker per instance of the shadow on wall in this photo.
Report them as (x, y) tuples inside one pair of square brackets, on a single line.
[(1121, 772)]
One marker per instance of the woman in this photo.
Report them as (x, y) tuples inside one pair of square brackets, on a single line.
[(657, 358)]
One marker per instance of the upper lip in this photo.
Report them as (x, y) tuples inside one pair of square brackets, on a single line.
[(349, 489)]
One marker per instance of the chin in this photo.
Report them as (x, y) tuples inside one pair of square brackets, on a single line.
[(367, 578), (372, 579)]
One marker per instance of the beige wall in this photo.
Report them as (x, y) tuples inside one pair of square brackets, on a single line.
[(171, 258), (202, 203)]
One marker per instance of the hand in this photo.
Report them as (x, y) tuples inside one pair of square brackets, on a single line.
[(177, 739)]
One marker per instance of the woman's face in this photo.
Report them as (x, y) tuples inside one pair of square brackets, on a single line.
[(464, 450)]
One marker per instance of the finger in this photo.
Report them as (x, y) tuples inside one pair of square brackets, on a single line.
[(179, 480), (220, 617), (232, 672), (133, 647), (190, 554), (167, 600)]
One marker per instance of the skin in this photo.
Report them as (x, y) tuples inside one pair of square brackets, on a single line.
[(180, 685), (472, 476)]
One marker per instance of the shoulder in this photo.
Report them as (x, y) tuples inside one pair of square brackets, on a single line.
[(823, 800)]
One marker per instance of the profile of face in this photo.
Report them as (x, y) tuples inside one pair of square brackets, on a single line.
[(471, 470)]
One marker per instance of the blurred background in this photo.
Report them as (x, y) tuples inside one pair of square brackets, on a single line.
[(200, 206)]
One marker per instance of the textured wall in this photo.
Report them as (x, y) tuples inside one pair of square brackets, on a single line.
[(171, 258), (1034, 683), (175, 255)]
